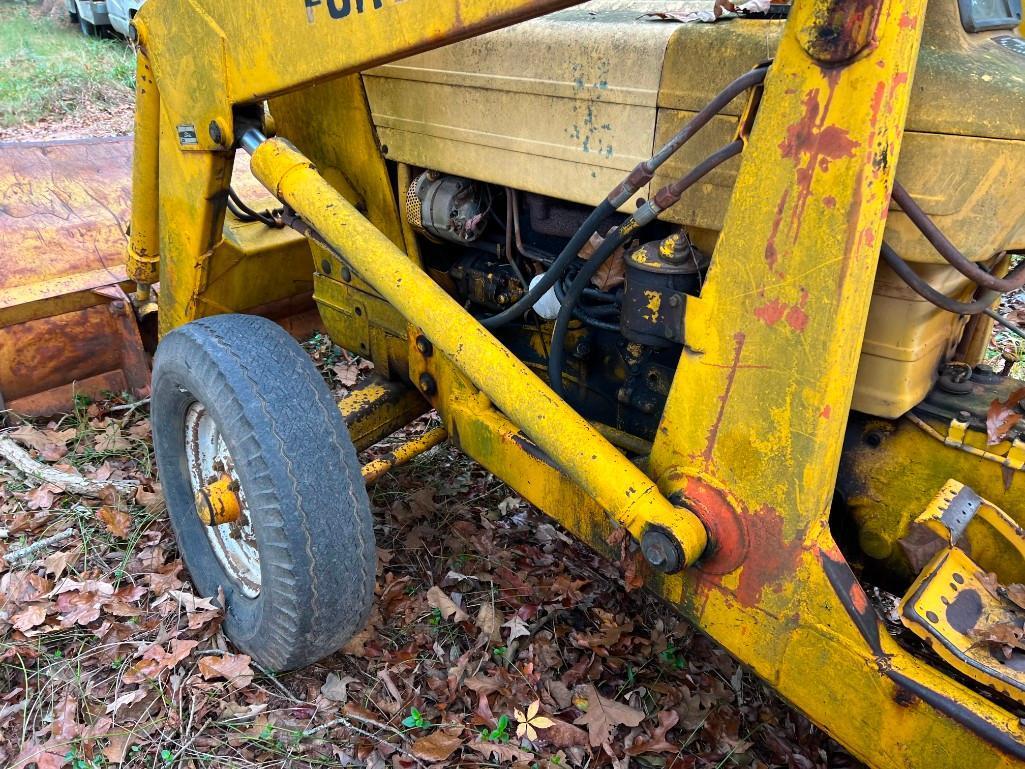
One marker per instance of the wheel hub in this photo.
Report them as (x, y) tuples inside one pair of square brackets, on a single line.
[(220, 500)]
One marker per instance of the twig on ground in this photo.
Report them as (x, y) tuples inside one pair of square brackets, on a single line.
[(129, 406), (343, 721), (70, 482), (21, 553)]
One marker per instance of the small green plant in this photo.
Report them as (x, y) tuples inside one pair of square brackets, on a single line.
[(436, 617), (166, 756), (415, 720), (499, 734), (671, 659)]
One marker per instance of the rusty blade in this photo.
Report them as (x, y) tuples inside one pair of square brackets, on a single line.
[(65, 323)]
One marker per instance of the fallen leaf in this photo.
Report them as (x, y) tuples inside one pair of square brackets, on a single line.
[(116, 748), (1016, 594), (111, 440), (1002, 416), (51, 444), (234, 668), (29, 617), (603, 715), (436, 597), (489, 620), (612, 273), (657, 742), (517, 628), (499, 751), (336, 688), (437, 746), (79, 607), (118, 522)]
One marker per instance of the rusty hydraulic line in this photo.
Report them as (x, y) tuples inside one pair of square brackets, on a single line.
[(403, 453), (630, 497), (1011, 282)]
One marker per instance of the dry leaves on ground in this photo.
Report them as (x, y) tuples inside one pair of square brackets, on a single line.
[(495, 637)]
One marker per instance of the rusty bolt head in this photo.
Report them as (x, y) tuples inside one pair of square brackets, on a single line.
[(423, 344), (661, 550), (427, 385)]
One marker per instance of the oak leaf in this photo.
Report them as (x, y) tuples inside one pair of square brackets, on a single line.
[(603, 715), (117, 522), (1002, 416), (29, 617)]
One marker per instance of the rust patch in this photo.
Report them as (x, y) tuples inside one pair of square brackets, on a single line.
[(726, 525), (840, 29), (770, 556)]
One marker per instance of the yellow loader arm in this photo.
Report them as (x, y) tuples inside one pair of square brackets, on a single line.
[(732, 508)]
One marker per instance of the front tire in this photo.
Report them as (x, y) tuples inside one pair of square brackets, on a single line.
[(236, 394)]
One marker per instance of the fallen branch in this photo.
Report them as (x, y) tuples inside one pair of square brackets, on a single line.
[(11, 556), (70, 482)]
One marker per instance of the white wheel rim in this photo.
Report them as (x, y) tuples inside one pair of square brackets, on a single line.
[(233, 543)]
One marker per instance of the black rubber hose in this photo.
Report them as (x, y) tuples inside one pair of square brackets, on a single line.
[(980, 306), (644, 215), (247, 214), (553, 273), (1010, 282), (927, 292)]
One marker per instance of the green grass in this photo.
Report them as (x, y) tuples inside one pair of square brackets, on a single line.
[(48, 69)]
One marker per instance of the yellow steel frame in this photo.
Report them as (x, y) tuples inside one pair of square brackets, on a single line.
[(746, 455)]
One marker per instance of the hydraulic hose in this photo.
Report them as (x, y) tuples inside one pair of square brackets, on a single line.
[(980, 306), (620, 194), (1011, 282), (927, 292), (668, 195), (553, 273)]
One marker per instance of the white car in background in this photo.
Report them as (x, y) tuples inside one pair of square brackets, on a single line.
[(98, 17)]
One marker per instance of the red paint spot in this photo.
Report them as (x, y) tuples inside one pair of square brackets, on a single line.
[(826, 411), (797, 319), (907, 21), (813, 146), (770, 557), (771, 312), (829, 201), (727, 530), (858, 598)]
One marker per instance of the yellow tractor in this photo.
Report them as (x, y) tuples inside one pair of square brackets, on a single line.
[(661, 277)]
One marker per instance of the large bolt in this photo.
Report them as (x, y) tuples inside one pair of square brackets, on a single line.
[(661, 550), (427, 385), (423, 344)]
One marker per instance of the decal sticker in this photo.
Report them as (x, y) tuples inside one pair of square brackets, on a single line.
[(187, 134)]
